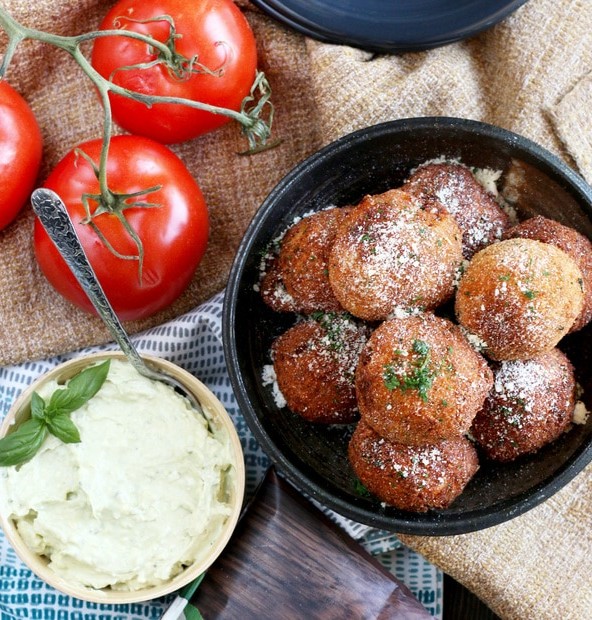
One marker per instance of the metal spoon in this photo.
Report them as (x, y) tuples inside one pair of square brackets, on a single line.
[(52, 213)]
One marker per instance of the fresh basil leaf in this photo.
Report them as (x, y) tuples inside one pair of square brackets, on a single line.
[(63, 401), (79, 390), (23, 443), (37, 406), (63, 428)]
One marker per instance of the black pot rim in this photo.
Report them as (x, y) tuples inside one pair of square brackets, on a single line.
[(389, 32)]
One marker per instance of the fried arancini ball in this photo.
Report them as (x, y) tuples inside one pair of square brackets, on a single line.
[(294, 277), (413, 478), (519, 297), (389, 254), (571, 242), (419, 381), (314, 363), (303, 257), (531, 404), (454, 187), (272, 289)]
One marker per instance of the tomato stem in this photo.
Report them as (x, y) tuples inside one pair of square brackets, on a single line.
[(256, 128), (255, 115), (179, 67)]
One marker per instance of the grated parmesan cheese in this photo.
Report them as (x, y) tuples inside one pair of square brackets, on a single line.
[(581, 413), (268, 377)]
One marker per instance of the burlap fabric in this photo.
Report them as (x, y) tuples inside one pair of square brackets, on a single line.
[(530, 74)]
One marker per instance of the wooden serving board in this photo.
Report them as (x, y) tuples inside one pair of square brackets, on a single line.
[(286, 559)]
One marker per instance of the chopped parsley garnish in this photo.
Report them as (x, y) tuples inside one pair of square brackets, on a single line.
[(333, 324), (529, 294), (360, 489), (421, 347), (420, 375)]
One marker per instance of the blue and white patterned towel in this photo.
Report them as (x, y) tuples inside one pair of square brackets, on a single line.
[(194, 342)]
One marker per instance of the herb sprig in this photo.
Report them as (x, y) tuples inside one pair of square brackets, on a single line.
[(52, 417), (421, 375)]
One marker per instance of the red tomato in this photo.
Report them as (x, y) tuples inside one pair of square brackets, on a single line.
[(20, 153), (174, 234), (214, 31)]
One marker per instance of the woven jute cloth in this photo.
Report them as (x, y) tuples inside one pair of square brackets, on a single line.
[(530, 74)]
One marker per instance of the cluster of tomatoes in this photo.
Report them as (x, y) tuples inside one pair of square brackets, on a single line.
[(170, 221)]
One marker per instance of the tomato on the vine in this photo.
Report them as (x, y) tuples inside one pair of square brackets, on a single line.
[(20, 152), (214, 33), (171, 222)]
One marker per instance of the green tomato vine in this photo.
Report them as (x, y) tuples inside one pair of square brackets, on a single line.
[(255, 115)]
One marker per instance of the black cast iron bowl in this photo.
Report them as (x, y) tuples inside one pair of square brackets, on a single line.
[(372, 160)]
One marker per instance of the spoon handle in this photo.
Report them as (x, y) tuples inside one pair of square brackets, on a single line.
[(52, 213)]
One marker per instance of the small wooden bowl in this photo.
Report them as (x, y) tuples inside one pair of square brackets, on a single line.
[(221, 423)]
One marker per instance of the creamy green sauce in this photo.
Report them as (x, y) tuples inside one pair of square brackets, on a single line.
[(138, 499)]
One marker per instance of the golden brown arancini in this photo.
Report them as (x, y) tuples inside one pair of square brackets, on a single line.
[(314, 363), (454, 187), (519, 297), (419, 381), (303, 258), (530, 405), (272, 289), (413, 478), (391, 255), (571, 242)]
